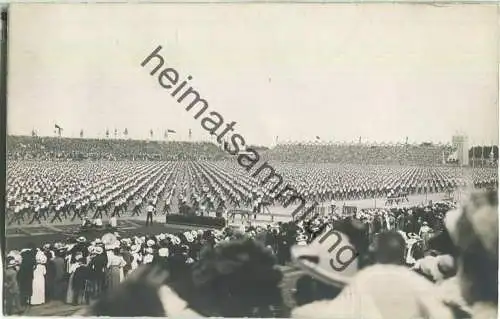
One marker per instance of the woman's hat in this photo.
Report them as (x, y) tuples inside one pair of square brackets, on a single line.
[(112, 245), (12, 262), (40, 258), (330, 258), (163, 252), (81, 239), (108, 239), (148, 258), (135, 248), (189, 237)]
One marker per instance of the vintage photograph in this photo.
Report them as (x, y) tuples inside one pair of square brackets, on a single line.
[(283, 160)]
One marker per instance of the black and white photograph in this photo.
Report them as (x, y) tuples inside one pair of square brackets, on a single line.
[(267, 160)]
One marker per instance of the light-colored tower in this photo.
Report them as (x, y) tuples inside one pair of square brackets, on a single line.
[(461, 144)]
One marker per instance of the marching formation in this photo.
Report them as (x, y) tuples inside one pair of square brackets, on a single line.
[(55, 191)]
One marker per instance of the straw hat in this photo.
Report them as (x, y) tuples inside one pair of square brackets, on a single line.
[(329, 258), (40, 258), (163, 252), (81, 239), (148, 258), (12, 263)]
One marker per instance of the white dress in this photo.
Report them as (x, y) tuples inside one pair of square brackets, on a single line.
[(135, 262), (38, 296)]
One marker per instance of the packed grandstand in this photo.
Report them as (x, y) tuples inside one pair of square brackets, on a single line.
[(24, 147)]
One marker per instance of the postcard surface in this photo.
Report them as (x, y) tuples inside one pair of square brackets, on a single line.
[(252, 160)]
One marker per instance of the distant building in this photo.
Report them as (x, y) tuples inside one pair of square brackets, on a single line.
[(461, 146)]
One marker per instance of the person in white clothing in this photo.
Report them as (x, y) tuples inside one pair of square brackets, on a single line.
[(150, 210), (38, 296)]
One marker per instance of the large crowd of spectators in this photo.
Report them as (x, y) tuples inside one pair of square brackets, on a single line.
[(361, 153), (51, 148), (433, 261)]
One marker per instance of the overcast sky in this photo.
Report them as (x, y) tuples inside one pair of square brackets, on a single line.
[(382, 72)]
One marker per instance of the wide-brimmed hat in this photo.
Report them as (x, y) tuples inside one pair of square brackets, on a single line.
[(330, 258), (12, 262), (81, 239), (148, 259), (135, 248), (40, 258), (163, 252), (112, 245)]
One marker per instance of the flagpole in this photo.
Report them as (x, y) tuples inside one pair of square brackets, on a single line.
[(482, 155), (473, 157)]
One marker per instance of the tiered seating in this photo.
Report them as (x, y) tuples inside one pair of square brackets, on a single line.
[(411, 154), (23, 147)]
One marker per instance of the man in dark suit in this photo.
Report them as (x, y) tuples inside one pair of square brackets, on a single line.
[(98, 267), (25, 274), (59, 272)]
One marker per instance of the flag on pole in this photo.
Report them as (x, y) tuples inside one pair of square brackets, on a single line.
[(81, 133), (59, 129), (189, 133), (165, 135), (151, 132), (125, 132)]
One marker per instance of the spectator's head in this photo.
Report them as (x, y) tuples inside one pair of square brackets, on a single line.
[(474, 231), (389, 248), (31, 246), (236, 279), (135, 297)]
